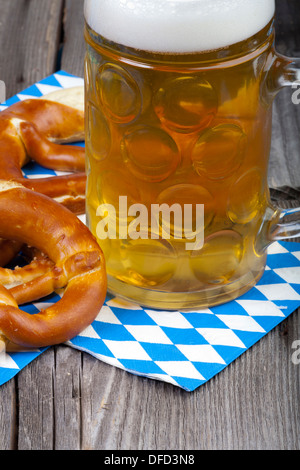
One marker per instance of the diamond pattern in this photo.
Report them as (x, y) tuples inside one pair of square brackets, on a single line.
[(185, 349)]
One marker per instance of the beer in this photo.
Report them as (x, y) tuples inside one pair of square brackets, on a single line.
[(178, 138)]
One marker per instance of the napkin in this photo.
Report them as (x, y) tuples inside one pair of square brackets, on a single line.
[(185, 349)]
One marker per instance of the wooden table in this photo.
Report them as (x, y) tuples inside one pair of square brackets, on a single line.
[(66, 399)]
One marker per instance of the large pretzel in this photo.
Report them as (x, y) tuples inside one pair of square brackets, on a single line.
[(35, 129), (73, 260)]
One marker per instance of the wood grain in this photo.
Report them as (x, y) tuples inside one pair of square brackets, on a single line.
[(29, 36), (284, 173), (74, 46), (69, 400)]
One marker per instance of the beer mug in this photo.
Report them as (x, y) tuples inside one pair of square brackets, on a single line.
[(178, 129)]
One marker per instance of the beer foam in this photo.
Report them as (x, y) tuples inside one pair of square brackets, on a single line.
[(178, 26)]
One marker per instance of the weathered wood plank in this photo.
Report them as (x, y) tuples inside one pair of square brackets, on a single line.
[(288, 27), (67, 399), (49, 401), (72, 60), (29, 37), (36, 404), (285, 151), (8, 429)]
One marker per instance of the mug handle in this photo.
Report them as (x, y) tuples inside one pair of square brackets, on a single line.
[(282, 224), (287, 225)]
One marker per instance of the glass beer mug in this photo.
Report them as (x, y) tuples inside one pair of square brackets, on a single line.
[(178, 128)]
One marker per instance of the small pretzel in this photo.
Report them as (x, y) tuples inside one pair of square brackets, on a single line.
[(77, 265), (34, 129)]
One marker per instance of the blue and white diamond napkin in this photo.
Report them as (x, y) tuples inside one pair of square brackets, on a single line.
[(185, 349)]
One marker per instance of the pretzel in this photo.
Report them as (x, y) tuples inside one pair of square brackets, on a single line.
[(34, 129), (77, 265)]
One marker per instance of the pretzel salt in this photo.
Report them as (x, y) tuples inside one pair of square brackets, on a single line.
[(77, 264), (34, 129)]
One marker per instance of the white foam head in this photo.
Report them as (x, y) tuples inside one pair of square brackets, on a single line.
[(178, 25)]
